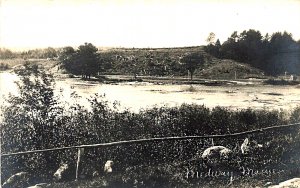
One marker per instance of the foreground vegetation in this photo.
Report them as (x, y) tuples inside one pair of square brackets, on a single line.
[(36, 119)]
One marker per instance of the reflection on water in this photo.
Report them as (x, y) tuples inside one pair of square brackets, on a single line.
[(143, 95)]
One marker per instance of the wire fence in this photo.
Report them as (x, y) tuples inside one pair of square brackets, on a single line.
[(80, 148), (154, 139)]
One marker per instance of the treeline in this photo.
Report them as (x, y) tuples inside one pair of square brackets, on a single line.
[(36, 120), (6, 54), (275, 54), (30, 54)]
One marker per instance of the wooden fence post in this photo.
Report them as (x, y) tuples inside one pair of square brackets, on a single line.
[(79, 154)]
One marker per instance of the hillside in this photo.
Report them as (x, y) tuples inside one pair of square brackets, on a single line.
[(229, 69), (167, 62), (157, 62)]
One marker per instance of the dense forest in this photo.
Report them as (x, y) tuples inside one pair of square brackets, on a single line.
[(275, 54)]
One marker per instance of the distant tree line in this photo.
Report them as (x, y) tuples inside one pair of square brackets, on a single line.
[(29, 54), (275, 54), (6, 54)]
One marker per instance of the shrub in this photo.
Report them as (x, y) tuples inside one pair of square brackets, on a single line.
[(3, 66)]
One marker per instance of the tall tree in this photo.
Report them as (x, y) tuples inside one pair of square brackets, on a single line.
[(250, 44), (211, 38), (283, 55), (88, 58), (280, 42), (50, 53), (85, 61), (67, 58), (217, 48), (229, 48)]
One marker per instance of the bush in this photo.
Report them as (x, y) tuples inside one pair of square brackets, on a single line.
[(295, 115), (3, 66)]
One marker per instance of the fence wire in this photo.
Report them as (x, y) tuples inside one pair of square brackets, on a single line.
[(124, 142)]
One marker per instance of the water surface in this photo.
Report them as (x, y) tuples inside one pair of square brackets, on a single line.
[(137, 95)]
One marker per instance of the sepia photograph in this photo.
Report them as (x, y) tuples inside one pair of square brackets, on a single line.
[(150, 93)]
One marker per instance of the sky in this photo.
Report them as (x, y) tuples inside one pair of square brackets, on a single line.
[(27, 24)]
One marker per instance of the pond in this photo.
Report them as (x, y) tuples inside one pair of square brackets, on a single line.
[(137, 95)]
